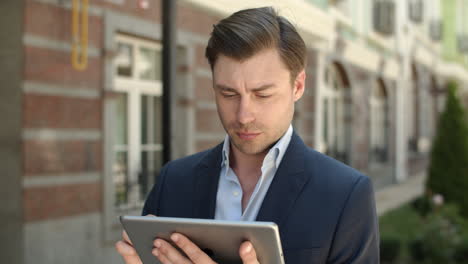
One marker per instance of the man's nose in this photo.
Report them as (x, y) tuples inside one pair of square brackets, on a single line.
[(245, 113)]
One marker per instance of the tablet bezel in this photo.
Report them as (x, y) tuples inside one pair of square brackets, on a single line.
[(223, 238)]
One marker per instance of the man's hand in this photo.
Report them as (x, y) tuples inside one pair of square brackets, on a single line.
[(126, 250), (167, 254)]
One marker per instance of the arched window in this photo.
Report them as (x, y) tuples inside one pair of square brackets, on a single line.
[(378, 116), (336, 114)]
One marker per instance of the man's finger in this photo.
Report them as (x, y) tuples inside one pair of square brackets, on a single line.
[(128, 253), (126, 238), (247, 253), (124, 248), (162, 258), (195, 254), (167, 251)]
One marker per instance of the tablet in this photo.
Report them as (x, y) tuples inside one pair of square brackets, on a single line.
[(219, 239)]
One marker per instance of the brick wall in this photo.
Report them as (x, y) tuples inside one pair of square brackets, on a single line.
[(207, 124), (61, 108), (49, 202)]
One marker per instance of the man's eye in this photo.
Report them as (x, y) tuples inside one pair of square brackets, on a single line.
[(228, 94), (263, 95)]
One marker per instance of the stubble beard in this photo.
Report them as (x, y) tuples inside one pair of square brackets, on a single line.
[(252, 147), (261, 144)]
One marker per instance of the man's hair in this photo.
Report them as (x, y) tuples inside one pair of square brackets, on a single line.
[(249, 31)]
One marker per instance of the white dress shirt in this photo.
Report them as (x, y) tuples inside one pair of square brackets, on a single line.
[(229, 196)]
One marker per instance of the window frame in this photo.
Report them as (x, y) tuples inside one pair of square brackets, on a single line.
[(134, 88)]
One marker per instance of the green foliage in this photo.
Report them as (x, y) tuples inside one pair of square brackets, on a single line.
[(448, 169), (423, 205), (404, 224), (390, 246), (428, 233), (438, 238), (461, 252)]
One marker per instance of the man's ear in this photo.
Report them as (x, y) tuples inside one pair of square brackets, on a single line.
[(299, 85)]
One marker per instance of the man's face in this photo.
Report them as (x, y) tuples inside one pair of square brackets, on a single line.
[(255, 99)]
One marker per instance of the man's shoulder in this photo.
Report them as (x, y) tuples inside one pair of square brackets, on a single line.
[(331, 172), (322, 169)]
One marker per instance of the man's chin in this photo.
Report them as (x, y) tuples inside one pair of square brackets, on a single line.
[(250, 148)]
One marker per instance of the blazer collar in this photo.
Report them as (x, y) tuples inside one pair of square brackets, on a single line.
[(289, 180), (284, 189), (206, 184)]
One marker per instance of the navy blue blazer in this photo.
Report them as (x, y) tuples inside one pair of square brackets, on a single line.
[(325, 210)]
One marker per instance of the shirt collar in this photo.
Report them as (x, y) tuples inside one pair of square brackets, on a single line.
[(276, 152)]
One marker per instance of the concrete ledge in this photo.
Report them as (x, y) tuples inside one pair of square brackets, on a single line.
[(61, 134), (33, 181)]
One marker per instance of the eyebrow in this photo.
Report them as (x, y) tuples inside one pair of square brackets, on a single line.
[(258, 89)]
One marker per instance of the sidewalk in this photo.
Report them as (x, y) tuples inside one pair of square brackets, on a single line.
[(397, 194)]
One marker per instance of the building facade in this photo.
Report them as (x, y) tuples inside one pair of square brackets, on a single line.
[(82, 105)]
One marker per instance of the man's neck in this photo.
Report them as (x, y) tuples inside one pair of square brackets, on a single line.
[(244, 162), (248, 171)]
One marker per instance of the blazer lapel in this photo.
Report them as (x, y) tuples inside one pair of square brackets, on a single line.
[(206, 184), (286, 185)]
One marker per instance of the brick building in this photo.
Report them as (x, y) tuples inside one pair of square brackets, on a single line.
[(81, 147)]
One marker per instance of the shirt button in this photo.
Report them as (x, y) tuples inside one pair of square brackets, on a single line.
[(235, 193)]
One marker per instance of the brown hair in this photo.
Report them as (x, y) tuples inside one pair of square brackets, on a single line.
[(246, 32)]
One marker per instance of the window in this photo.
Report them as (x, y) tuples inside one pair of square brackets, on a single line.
[(138, 121), (378, 124), (336, 115), (416, 10)]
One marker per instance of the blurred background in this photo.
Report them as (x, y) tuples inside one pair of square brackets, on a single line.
[(87, 122)]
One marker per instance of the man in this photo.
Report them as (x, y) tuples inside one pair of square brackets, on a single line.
[(263, 171)]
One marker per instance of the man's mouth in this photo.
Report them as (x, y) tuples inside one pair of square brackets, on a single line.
[(247, 135)]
